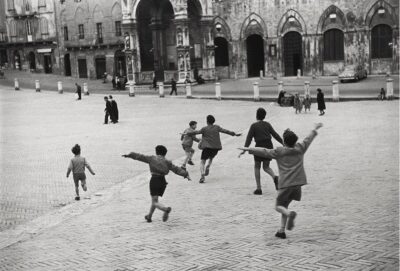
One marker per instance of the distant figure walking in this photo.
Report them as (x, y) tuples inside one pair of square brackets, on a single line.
[(321, 102), (307, 103), (107, 110), (382, 94), (173, 87), (114, 115), (77, 166), (78, 91), (154, 82)]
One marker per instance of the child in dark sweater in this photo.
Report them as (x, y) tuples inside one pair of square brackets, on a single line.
[(159, 167)]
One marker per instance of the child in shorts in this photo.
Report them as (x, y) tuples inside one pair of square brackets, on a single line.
[(77, 166), (187, 143), (291, 173), (159, 167), (210, 144)]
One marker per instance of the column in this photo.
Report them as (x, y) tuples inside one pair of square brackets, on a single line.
[(183, 49), (207, 28), (131, 47)]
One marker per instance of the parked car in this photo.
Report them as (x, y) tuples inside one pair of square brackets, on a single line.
[(353, 72)]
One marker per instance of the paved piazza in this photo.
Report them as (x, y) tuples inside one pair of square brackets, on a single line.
[(348, 218)]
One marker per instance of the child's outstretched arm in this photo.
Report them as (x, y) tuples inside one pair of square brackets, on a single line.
[(225, 131), (69, 168), (258, 151), (307, 141), (179, 171), (89, 168), (137, 156)]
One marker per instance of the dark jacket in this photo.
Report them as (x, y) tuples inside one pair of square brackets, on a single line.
[(321, 101), (108, 108), (114, 110)]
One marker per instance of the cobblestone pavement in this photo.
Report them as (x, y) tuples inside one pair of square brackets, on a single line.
[(347, 220), (367, 88)]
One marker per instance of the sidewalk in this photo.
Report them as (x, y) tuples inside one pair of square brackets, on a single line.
[(347, 219), (241, 89)]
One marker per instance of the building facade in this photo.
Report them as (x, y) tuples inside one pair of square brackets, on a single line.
[(31, 42), (240, 38), (3, 35), (91, 40)]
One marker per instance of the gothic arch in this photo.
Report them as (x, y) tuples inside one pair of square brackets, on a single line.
[(298, 24), (116, 11), (372, 19), (98, 15), (79, 15), (325, 23), (253, 24), (225, 30)]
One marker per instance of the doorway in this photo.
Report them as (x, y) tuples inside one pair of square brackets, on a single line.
[(67, 65), (47, 64), (292, 53), (82, 68), (32, 61), (255, 55), (100, 67), (119, 63)]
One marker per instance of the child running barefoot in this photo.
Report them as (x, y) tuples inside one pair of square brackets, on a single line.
[(77, 166), (159, 167), (187, 143), (291, 173), (210, 144)]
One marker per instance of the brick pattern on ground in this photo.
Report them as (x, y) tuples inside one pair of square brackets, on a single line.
[(347, 219)]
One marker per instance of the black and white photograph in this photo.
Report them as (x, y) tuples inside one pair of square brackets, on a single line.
[(199, 135)]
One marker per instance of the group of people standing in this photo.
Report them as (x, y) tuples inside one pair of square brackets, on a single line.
[(298, 102), (111, 110)]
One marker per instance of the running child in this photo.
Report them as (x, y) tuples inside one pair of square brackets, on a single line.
[(77, 166), (210, 144), (159, 167), (291, 173), (187, 143)]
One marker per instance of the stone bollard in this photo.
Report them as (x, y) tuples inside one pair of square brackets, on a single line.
[(389, 89), (306, 88), (335, 90), (218, 91), (85, 89), (16, 84), (161, 89), (298, 73), (261, 74), (60, 88), (256, 90), (280, 86), (236, 76), (37, 85), (188, 89), (131, 89)]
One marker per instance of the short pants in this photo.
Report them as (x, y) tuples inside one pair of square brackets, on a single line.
[(208, 153), (262, 159), (79, 177), (188, 149), (286, 195), (158, 184)]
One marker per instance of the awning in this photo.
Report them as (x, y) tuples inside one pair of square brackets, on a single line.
[(45, 50)]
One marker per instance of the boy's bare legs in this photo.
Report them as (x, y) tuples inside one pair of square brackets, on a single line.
[(271, 173), (289, 217), (77, 191), (156, 205), (187, 158), (257, 175), (202, 170), (207, 170)]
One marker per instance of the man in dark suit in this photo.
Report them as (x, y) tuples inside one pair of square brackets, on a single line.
[(78, 90), (107, 110), (173, 87), (114, 109)]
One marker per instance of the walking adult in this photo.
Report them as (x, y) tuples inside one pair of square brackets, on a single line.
[(321, 102), (78, 91), (114, 115), (173, 87), (262, 132), (107, 110)]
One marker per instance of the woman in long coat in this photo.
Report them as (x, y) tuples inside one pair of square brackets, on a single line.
[(321, 102)]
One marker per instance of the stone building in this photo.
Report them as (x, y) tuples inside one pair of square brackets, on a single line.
[(3, 35), (31, 42), (240, 38), (91, 39)]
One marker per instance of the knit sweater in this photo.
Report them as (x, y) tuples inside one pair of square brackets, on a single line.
[(210, 136), (262, 131), (158, 164), (289, 160)]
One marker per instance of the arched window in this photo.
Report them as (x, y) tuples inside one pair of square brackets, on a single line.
[(381, 41), (13, 29), (44, 28), (333, 45), (10, 5), (221, 52)]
